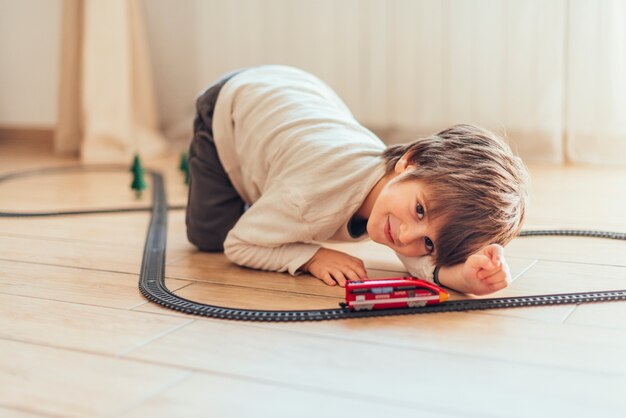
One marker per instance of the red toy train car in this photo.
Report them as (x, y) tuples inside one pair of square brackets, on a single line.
[(400, 292)]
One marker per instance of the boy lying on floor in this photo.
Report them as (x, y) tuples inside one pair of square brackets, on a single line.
[(278, 164)]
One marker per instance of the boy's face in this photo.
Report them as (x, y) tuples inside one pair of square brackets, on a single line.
[(399, 218)]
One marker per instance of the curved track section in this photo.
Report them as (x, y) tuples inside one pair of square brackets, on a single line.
[(100, 168), (152, 274)]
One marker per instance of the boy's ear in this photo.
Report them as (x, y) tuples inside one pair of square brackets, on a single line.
[(403, 163)]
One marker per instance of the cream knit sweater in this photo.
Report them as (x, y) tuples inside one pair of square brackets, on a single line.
[(293, 150)]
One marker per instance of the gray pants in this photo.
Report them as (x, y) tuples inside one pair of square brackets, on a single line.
[(214, 206)]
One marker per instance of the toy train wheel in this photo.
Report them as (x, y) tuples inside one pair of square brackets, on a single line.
[(416, 304)]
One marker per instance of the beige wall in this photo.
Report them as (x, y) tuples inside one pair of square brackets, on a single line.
[(29, 59), (29, 47), (172, 36)]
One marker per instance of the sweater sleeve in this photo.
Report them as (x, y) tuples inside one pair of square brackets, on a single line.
[(271, 235), (420, 267)]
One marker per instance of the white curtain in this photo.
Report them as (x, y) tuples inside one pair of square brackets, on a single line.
[(494, 63), (107, 107), (548, 74), (596, 82)]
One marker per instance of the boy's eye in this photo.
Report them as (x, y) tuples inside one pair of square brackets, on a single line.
[(429, 245), (420, 210)]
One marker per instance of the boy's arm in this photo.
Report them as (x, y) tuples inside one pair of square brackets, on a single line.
[(452, 277), (271, 235), (482, 273)]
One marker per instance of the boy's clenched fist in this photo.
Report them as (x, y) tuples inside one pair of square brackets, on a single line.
[(486, 271)]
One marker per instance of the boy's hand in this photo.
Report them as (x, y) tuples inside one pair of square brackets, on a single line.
[(486, 271), (334, 267)]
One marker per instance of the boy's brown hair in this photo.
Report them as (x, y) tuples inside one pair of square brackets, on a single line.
[(477, 186)]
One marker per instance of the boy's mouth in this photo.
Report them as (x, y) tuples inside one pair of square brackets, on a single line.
[(388, 232)]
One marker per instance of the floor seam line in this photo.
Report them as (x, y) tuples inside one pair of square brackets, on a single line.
[(570, 313), (184, 376), (154, 338)]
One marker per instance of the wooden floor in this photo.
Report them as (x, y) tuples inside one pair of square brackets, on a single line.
[(77, 339)]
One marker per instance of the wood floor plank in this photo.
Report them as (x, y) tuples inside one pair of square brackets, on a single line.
[(119, 229), (80, 327), (204, 395), (600, 315), (582, 197), (93, 256), (216, 268), (249, 298), (56, 382), (420, 361), (555, 314), (90, 287), (72, 254), (547, 277), (570, 249), (127, 230)]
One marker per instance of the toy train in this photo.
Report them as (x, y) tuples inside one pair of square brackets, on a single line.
[(399, 292)]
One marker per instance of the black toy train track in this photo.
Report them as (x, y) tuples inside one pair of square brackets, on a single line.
[(152, 274)]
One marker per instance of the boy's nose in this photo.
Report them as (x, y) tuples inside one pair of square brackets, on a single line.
[(410, 233)]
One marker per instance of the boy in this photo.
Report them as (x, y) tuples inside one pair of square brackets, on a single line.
[(278, 164)]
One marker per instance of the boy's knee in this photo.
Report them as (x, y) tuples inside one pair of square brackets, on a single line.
[(204, 241)]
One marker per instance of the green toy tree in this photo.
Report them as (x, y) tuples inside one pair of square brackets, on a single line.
[(184, 166), (138, 184)]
